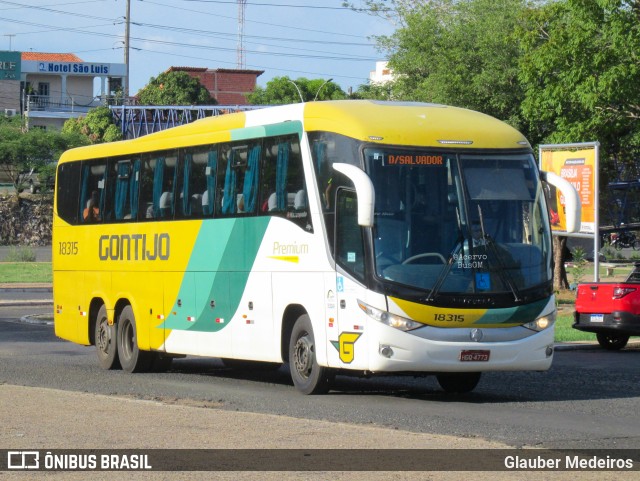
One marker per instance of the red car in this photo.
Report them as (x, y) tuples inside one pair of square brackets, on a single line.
[(610, 309)]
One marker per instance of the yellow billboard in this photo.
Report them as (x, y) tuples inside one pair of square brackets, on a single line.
[(578, 164)]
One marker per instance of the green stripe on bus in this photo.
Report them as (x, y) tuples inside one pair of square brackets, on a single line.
[(514, 315), (222, 258), (274, 130)]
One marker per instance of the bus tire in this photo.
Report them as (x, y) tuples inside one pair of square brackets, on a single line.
[(132, 359), (458, 382), (105, 341), (308, 377)]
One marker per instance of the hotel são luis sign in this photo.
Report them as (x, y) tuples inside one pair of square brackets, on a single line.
[(9, 65), (94, 69), (77, 68)]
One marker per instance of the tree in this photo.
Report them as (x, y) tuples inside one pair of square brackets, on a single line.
[(580, 71), (22, 151), (97, 126), (175, 88), (283, 90), (457, 53), (383, 91)]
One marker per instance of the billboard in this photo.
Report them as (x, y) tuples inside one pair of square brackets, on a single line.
[(10, 63), (578, 164)]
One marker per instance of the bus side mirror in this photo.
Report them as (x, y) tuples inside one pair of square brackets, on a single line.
[(572, 203), (364, 191)]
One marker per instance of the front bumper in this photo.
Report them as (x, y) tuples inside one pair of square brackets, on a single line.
[(413, 353)]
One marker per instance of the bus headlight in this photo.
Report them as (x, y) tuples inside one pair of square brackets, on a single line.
[(389, 319), (542, 323)]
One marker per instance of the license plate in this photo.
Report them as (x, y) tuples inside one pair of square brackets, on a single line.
[(474, 356), (597, 317)]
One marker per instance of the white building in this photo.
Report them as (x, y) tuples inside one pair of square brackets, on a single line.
[(381, 75), (54, 87)]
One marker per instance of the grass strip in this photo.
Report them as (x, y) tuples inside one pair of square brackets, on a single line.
[(29, 272)]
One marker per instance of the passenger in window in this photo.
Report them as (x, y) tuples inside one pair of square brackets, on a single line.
[(92, 212)]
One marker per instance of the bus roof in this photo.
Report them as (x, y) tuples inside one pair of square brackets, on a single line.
[(400, 123), (412, 123)]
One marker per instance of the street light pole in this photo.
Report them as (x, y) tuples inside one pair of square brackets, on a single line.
[(319, 89), (296, 86)]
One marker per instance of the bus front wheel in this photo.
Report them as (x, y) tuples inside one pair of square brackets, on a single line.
[(308, 377), (105, 339), (458, 382), (131, 357)]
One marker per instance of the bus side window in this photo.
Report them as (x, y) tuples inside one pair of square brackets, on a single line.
[(119, 190), (274, 157), (92, 191), (284, 191), (166, 202), (192, 184), (68, 191), (145, 204), (209, 193), (349, 244), (239, 176)]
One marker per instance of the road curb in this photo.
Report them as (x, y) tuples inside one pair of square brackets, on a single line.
[(37, 319), (24, 287), (33, 302)]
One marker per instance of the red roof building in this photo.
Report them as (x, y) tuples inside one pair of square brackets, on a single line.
[(227, 86), (50, 57)]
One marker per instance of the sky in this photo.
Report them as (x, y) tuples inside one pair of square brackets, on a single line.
[(294, 38)]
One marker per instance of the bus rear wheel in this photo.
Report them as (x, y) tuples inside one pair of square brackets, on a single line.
[(308, 377), (131, 357), (458, 382), (105, 340)]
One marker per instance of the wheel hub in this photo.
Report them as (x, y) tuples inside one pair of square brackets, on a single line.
[(104, 337), (303, 356)]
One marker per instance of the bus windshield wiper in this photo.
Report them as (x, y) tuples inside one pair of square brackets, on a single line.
[(447, 268), (504, 274)]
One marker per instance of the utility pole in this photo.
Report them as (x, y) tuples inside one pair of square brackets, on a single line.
[(126, 51), (10, 35)]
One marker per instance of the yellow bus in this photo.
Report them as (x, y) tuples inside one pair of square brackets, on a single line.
[(337, 237)]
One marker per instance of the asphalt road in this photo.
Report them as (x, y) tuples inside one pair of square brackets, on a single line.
[(589, 398)]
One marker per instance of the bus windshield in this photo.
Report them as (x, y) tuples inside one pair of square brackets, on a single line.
[(459, 223)]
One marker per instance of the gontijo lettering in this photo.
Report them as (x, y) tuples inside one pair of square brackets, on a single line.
[(134, 247)]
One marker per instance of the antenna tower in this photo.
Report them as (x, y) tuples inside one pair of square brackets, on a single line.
[(240, 61)]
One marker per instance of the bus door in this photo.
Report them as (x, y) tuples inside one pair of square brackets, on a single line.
[(350, 276)]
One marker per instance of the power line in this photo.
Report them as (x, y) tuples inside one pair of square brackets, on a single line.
[(256, 4), (330, 56), (271, 24), (254, 66), (289, 5), (51, 10), (215, 34)]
